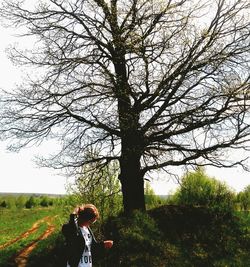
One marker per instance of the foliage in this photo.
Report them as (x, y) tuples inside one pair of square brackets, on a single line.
[(137, 242), (99, 188), (177, 236), (3, 204), (201, 190), (9, 202), (46, 202), (244, 198), (21, 201), (206, 237), (29, 201), (151, 199)]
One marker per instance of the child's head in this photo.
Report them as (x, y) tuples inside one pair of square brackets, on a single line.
[(87, 213)]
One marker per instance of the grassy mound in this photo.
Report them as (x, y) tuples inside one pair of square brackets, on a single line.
[(177, 236), (167, 236), (205, 237)]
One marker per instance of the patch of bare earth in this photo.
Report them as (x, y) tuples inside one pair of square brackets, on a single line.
[(33, 228), (21, 257)]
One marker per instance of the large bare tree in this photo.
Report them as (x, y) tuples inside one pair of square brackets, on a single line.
[(151, 84)]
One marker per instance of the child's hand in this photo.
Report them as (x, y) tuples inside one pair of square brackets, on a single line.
[(77, 209), (108, 243)]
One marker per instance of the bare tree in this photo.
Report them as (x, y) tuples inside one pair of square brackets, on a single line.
[(151, 84)]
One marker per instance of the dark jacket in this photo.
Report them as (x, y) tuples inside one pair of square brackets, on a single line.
[(75, 242)]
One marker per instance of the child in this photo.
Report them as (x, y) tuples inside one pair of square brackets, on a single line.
[(80, 241)]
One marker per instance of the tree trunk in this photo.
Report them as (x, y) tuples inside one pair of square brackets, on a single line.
[(131, 176), (131, 179)]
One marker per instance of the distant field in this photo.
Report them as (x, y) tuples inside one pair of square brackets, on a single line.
[(2, 194)]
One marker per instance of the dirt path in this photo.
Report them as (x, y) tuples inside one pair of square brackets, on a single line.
[(22, 257), (33, 228)]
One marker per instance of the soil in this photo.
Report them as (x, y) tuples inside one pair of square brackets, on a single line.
[(21, 257), (23, 235)]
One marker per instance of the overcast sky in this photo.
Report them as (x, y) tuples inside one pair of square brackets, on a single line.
[(20, 174)]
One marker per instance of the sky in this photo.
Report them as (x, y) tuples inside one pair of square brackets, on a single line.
[(18, 172)]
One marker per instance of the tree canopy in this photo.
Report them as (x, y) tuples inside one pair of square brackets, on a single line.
[(151, 84)]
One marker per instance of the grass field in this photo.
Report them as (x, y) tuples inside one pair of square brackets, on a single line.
[(22, 230), (31, 237)]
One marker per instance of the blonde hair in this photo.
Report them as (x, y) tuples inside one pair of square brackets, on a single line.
[(87, 212)]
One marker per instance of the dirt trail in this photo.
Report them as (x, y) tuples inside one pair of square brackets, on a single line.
[(22, 257), (33, 228)]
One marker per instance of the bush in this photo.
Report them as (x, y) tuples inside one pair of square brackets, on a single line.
[(20, 201), (99, 187), (200, 190), (137, 242), (244, 199), (205, 236), (30, 203), (151, 199), (3, 204), (46, 202)]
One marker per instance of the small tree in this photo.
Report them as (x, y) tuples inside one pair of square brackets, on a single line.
[(244, 198), (20, 201), (151, 199), (11, 202), (101, 189), (30, 203), (3, 204), (45, 201), (199, 189)]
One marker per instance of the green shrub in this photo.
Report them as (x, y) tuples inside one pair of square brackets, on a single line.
[(244, 199), (151, 199), (137, 242), (99, 187), (205, 235), (46, 202), (198, 189), (3, 204), (30, 203)]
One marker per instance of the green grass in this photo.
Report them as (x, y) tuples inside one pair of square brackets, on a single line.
[(7, 254), (168, 236), (16, 222), (50, 245)]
